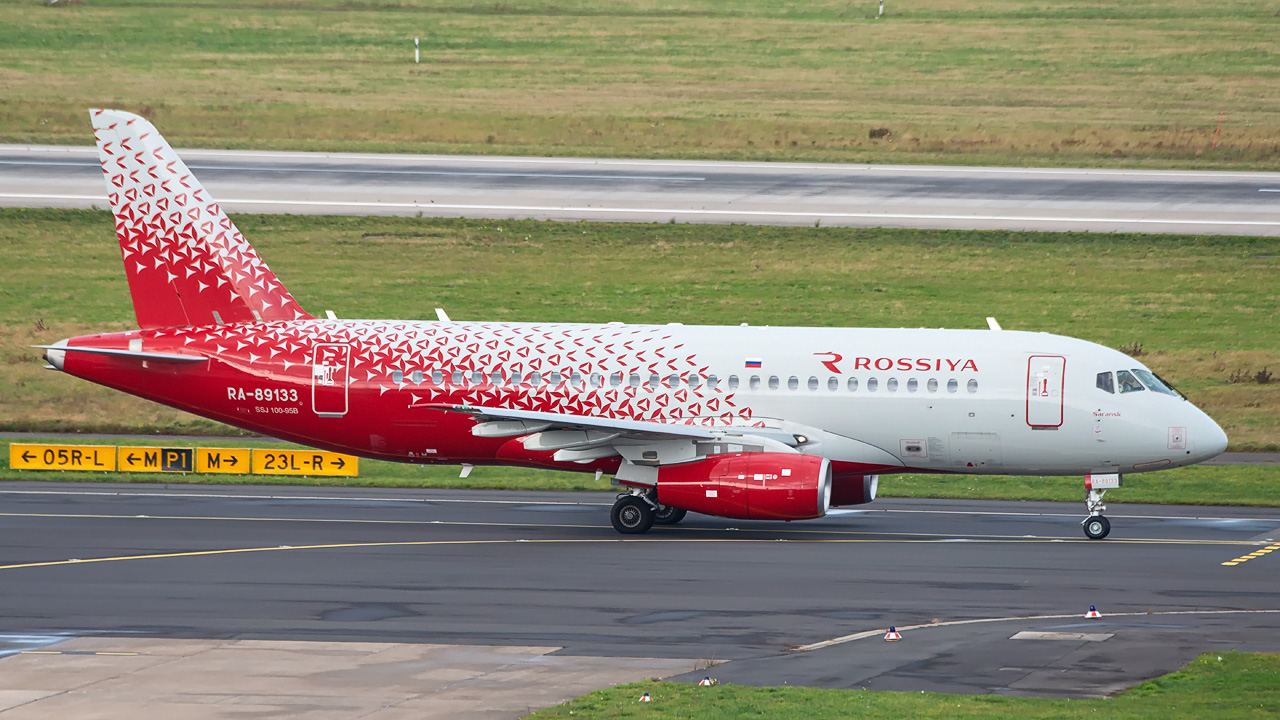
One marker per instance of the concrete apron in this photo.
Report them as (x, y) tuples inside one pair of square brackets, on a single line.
[(110, 677)]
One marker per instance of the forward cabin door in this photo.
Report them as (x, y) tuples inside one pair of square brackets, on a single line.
[(330, 366), (1046, 380)]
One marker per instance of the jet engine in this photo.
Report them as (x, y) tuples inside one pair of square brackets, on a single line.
[(854, 489), (750, 486)]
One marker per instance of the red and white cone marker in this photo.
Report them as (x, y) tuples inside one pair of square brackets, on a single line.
[(706, 681), (1093, 612), (893, 635), (644, 697)]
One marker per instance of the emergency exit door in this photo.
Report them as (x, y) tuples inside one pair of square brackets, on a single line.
[(330, 366), (1046, 379)]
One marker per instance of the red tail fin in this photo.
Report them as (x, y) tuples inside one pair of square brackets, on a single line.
[(186, 262)]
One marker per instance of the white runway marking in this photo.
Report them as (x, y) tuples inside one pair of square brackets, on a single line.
[(667, 212), (954, 623), (447, 173), (402, 499)]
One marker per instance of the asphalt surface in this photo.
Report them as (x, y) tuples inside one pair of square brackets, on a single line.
[(485, 568), (683, 191)]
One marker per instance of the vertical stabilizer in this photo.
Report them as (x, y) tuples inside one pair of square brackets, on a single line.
[(186, 262)]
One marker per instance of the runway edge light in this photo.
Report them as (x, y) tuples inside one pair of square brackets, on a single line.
[(1093, 612), (644, 697), (707, 681), (893, 635)]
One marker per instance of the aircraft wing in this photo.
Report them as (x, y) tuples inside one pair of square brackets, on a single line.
[(506, 422)]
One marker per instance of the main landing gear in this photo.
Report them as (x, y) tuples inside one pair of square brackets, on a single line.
[(1095, 526), (635, 512)]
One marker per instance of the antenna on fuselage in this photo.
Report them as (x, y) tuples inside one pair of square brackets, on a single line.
[(991, 323)]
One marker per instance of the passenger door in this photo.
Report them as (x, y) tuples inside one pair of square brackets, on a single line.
[(1046, 378)]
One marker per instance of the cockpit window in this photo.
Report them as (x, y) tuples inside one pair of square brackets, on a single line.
[(1128, 383), (1106, 381), (1155, 383)]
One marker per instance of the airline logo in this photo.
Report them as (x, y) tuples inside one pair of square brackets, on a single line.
[(900, 364)]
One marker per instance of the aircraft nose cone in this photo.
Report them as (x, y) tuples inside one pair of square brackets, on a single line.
[(1211, 441)]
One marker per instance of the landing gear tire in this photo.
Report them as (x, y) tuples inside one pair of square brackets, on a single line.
[(667, 515), (1096, 527), (632, 515)]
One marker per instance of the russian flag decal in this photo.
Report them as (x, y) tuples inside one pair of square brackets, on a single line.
[(754, 362)]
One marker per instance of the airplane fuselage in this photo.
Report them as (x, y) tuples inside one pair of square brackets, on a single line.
[(870, 400)]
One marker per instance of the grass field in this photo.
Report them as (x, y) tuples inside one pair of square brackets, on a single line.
[(1203, 309), (1197, 485), (1227, 686), (1056, 82)]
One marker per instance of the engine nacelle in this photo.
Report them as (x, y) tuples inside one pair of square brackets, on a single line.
[(854, 489), (750, 486)]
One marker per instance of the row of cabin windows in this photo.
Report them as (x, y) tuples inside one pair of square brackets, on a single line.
[(596, 380)]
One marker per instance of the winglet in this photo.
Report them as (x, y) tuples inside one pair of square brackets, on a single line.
[(991, 323)]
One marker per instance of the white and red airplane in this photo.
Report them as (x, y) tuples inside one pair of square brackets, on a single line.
[(739, 422)]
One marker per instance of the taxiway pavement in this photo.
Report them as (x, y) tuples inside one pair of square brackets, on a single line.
[(569, 189), (960, 578)]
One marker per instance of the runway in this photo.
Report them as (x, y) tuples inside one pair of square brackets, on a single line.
[(569, 189), (800, 603)]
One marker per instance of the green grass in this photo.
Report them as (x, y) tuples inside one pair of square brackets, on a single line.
[(1227, 686), (1203, 308), (1198, 485), (1057, 82)]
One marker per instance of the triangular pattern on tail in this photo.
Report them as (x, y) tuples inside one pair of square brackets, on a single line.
[(186, 262)]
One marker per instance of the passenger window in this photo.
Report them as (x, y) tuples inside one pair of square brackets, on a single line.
[(416, 377), (813, 383), (477, 377), (694, 381), (437, 377), (456, 377), (516, 378), (673, 381), (713, 381), (912, 385), (1128, 383), (891, 385), (733, 382), (833, 384), (793, 383), (597, 380), (774, 382), (952, 385), (397, 376), (535, 378), (575, 379), (634, 380), (973, 386), (615, 379), (933, 385), (872, 384), (554, 379), (853, 384), (654, 381), (754, 382), (495, 377), (1106, 382)]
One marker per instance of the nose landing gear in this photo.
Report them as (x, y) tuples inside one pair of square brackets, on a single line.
[(1096, 526)]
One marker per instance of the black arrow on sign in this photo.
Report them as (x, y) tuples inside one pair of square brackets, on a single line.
[(340, 463), (130, 458), (232, 459), (26, 456)]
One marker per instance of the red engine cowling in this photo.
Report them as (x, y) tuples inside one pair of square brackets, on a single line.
[(750, 486), (853, 489)]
